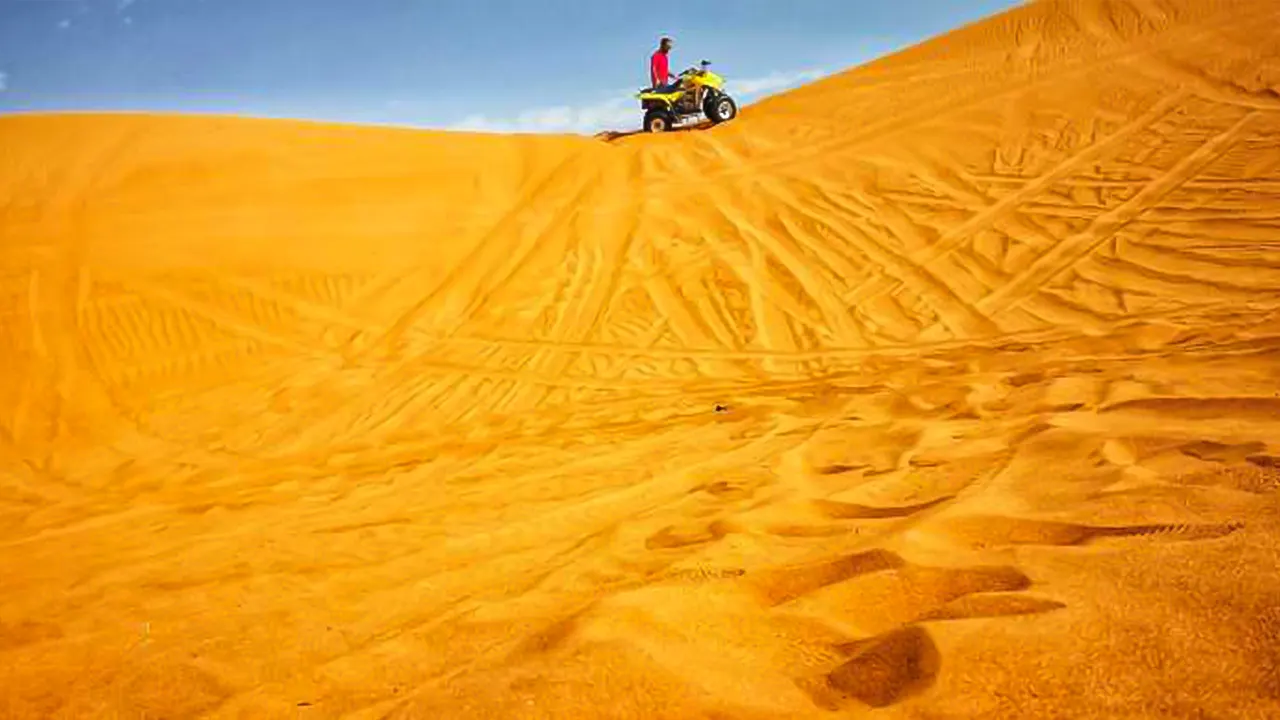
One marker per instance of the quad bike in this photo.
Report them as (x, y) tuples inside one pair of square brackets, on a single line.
[(666, 107)]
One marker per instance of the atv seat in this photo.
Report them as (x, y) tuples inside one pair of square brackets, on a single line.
[(665, 89)]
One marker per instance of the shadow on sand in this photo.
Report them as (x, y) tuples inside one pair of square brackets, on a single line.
[(615, 135)]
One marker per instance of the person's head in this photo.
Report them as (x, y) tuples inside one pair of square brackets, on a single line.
[(665, 44)]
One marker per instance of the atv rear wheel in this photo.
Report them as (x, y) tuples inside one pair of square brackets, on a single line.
[(656, 121), (721, 109)]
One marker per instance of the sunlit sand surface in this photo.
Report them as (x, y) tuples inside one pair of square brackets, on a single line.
[(947, 387)]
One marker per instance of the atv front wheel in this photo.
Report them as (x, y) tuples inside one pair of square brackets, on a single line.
[(656, 121), (721, 109)]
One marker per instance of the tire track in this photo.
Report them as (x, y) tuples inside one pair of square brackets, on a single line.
[(954, 238), (1156, 63), (485, 253), (900, 350), (720, 314), (772, 329), (1075, 248), (481, 282), (303, 307), (349, 456), (773, 300), (790, 254), (593, 287), (123, 332), (469, 285), (454, 398), (187, 367), (1213, 268), (954, 312), (220, 317), (679, 315), (1056, 310), (944, 300), (467, 395), (55, 307), (409, 284), (380, 412), (1001, 531), (1173, 283), (712, 303), (934, 111)]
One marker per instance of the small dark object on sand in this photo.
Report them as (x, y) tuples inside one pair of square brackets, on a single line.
[(722, 408)]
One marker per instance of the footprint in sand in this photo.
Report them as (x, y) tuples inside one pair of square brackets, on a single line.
[(880, 671)]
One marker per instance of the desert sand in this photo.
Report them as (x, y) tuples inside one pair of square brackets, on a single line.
[(946, 387)]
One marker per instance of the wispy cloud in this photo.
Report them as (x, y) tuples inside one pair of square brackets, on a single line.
[(613, 112), (621, 110), (776, 81), (122, 5), (4, 81)]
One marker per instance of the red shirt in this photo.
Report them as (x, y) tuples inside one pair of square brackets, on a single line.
[(659, 71)]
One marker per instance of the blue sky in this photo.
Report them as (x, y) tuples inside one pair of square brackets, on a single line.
[(509, 65)]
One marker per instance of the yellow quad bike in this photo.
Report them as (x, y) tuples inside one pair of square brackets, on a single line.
[(664, 108)]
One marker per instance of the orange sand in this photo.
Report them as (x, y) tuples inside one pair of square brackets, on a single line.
[(307, 421)]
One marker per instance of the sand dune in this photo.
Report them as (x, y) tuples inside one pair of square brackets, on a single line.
[(945, 387)]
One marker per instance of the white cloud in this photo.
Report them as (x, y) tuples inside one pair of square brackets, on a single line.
[(776, 81), (4, 81), (621, 111), (64, 24), (618, 112), (122, 5)]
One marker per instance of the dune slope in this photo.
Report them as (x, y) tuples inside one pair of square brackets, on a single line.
[(945, 387)]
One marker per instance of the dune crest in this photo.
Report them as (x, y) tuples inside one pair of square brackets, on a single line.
[(944, 387)]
